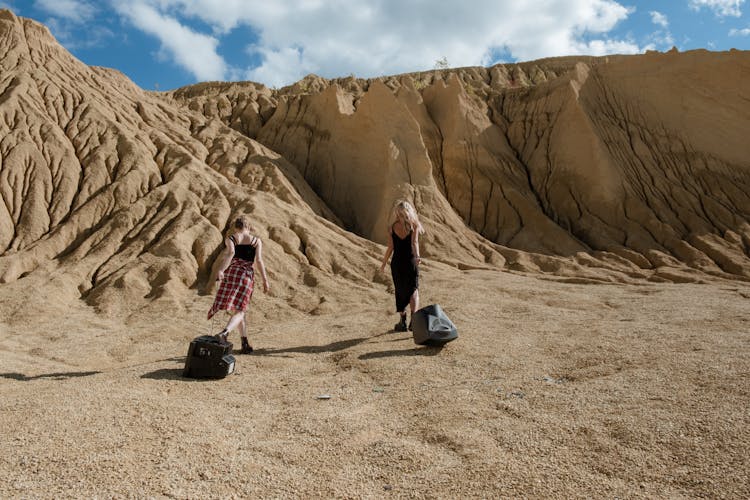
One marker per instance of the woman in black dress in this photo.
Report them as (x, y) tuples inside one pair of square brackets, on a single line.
[(403, 244)]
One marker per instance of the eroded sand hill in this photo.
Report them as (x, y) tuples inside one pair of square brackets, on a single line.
[(567, 202), (630, 160)]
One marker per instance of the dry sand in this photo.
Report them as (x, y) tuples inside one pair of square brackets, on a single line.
[(588, 230), (552, 390)]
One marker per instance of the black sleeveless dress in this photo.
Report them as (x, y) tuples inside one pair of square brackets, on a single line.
[(404, 270)]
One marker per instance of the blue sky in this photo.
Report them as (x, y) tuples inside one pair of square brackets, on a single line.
[(165, 44)]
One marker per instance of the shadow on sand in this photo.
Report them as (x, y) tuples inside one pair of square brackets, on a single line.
[(414, 351), (346, 344), (176, 373), (313, 349), (170, 374), (57, 376)]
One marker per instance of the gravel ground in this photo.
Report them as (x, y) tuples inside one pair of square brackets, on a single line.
[(553, 390)]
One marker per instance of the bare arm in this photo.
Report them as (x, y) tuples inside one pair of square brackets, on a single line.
[(388, 253), (261, 266), (225, 258), (415, 245)]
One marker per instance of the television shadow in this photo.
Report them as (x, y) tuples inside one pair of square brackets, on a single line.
[(169, 373), (166, 374)]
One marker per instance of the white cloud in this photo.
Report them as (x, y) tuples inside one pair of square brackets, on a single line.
[(66, 33), (193, 51), (279, 66), (73, 10), (603, 47), (338, 37), (659, 19), (661, 38), (67, 18), (721, 8), (739, 32)]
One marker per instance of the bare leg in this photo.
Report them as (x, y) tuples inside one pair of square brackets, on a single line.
[(414, 301), (414, 305), (243, 327), (246, 347), (234, 321)]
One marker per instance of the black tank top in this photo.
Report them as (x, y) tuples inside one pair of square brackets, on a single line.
[(401, 247), (244, 252)]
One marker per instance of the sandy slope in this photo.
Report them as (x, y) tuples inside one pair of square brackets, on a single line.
[(563, 200), (553, 390)]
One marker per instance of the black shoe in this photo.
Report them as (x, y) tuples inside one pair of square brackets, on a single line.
[(401, 325), (246, 348), (222, 337)]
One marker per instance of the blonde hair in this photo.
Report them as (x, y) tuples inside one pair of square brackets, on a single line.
[(240, 222), (404, 211)]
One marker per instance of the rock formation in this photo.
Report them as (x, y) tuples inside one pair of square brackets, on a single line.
[(605, 169), (115, 195), (636, 161)]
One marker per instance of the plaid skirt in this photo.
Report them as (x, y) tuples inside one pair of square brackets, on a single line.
[(235, 289)]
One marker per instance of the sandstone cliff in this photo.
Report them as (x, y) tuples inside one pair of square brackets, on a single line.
[(632, 162), (113, 195), (598, 169)]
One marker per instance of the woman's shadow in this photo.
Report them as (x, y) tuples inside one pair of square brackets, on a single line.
[(346, 344), (312, 349), (56, 376), (414, 351)]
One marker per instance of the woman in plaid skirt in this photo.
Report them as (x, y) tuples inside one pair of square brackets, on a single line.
[(236, 278)]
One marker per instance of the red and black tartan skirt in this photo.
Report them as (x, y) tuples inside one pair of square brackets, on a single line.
[(235, 289)]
